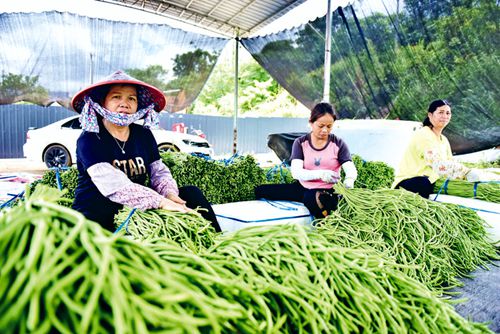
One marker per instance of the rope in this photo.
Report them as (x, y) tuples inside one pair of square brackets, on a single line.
[(125, 223), (262, 220), (58, 175), (444, 186), (273, 170), (230, 160), (280, 205), (12, 199)]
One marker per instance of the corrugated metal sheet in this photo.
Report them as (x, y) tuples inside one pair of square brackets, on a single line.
[(16, 119), (222, 16), (252, 136)]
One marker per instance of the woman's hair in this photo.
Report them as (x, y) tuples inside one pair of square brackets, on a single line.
[(432, 108), (320, 110)]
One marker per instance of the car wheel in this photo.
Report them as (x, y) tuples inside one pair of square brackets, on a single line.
[(167, 147), (57, 156)]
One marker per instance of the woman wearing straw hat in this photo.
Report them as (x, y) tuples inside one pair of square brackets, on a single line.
[(115, 157)]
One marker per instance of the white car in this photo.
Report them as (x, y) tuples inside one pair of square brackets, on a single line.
[(55, 144)]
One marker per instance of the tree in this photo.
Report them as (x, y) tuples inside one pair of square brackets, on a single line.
[(154, 75), (197, 61), (18, 87)]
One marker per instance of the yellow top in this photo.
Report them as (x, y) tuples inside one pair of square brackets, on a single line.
[(428, 155)]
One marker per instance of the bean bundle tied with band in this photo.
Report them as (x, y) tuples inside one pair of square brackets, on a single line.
[(62, 273), (312, 286), (188, 230), (435, 242), (486, 191)]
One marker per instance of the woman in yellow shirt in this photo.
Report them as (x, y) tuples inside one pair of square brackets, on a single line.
[(428, 156)]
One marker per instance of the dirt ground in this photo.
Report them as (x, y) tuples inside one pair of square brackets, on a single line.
[(21, 166)]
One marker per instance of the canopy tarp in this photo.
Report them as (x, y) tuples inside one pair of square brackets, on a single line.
[(393, 64), (49, 56)]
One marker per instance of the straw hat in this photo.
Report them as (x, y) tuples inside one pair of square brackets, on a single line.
[(146, 94)]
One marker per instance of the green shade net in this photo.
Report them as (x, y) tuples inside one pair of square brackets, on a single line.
[(49, 56), (393, 63)]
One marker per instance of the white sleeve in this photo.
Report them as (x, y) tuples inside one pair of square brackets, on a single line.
[(299, 173), (107, 178), (350, 170), (115, 185)]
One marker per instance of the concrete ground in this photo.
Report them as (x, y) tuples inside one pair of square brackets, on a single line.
[(21, 166), (16, 174)]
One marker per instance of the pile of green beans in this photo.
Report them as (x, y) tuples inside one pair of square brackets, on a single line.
[(62, 273), (312, 286), (434, 242), (486, 191), (188, 230), (215, 280)]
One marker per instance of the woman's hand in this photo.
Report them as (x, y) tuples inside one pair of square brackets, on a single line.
[(329, 176), (167, 204), (176, 199)]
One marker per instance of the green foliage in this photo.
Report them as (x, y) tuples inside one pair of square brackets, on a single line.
[(259, 93), (278, 174), (220, 182), (230, 180), (18, 87), (372, 174), (154, 75), (68, 179), (483, 164), (197, 61)]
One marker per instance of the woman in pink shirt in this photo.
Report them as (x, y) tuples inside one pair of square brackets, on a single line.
[(315, 163)]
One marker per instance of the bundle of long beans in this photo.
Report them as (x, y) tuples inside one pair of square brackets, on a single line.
[(435, 242), (312, 286), (486, 191), (188, 230), (61, 273)]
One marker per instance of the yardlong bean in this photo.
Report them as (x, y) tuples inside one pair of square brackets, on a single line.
[(436, 242)]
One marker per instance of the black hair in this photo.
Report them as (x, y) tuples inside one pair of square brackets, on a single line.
[(432, 108), (320, 110)]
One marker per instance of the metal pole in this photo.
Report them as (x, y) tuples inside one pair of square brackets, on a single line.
[(328, 44), (235, 115), (91, 68)]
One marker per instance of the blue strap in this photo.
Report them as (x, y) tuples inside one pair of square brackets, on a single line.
[(7, 177), (475, 188), (444, 186), (12, 199), (481, 210), (270, 172), (125, 223), (58, 176), (280, 205), (283, 165), (230, 159), (262, 220), (58, 179), (202, 156)]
